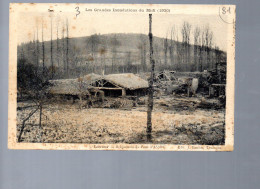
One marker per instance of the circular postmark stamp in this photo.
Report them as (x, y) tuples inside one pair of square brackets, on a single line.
[(225, 13)]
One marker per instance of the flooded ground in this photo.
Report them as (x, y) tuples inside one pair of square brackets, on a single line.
[(176, 120)]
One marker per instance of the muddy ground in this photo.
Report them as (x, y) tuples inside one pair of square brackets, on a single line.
[(176, 120)]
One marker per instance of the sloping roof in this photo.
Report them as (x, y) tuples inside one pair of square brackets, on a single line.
[(64, 86), (74, 87), (90, 78), (127, 80)]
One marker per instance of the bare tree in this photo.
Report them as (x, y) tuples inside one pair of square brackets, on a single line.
[(172, 43), (165, 49), (67, 48), (151, 79), (43, 51), (63, 47), (157, 57), (75, 59), (179, 52), (206, 35), (93, 41), (57, 44), (196, 35), (34, 89), (142, 47), (207, 44), (210, 45), (186, 29), (217, 55), (82, 88), (37, 48), (52, 66), (102, 52), (203, 50), (115, 43), (129, 66)]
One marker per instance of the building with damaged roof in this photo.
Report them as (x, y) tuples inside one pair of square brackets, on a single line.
[(126, 84), (122, 85)]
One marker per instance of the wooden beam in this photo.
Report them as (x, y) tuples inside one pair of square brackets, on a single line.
[(107, 88)]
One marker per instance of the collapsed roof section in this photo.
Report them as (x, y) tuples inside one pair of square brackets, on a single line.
[(64, 86), (126, 81)]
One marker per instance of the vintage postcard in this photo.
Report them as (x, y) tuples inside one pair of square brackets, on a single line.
[(121, 77)]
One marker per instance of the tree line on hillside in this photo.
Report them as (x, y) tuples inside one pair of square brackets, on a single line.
[(66, 57)]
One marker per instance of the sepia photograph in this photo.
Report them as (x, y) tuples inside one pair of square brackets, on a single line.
[(121, 77)]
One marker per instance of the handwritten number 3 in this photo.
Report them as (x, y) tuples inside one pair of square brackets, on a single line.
[(78, 12)]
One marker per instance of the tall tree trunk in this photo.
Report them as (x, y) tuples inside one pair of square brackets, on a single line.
[(171, 48), (195, 57), (144, 58), (200, 58), (171, 54), (165, 51), (67, 48), (178, 51), (43, 52), (34, 50), (188, 58), (63, 48), (112, 67), (52, 70), (196, 35), (143, 52), (37, 49), (150, 89), (58, 47)]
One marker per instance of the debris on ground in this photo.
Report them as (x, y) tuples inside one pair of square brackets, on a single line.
[(172, 123)]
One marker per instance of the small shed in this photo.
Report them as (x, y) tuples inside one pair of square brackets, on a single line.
[(122, 85), (112, 85)]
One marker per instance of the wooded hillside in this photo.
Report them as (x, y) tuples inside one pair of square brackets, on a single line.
[(118, 53)]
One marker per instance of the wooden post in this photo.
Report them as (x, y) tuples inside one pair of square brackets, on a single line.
[(150, 89), (67, 48), (123, 93), (40, 120), (52, 74)]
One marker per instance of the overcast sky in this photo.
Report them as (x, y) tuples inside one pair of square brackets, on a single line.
[(90, 23)]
